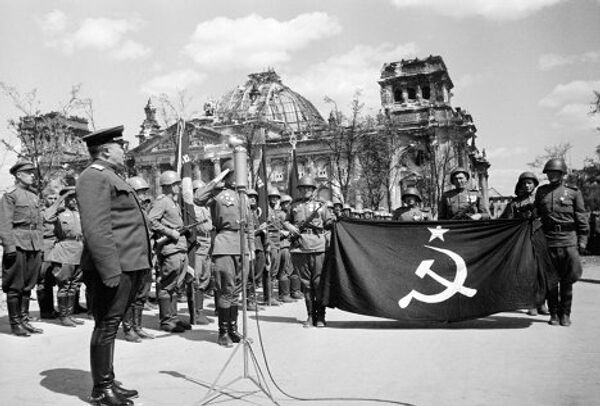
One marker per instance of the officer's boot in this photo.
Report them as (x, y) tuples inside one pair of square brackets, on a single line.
[(320, 315), (566, 299), (180, 322), (167, 322), (77, 307), (553, 306), (309, 310), (25, 315), (284, 291), (224, 340), (295, 287), (72, 299), (101, 355), (62, 299), (13, 303), (128, 323), (201, 318), (251, 304), (45, 299), (235, 336), (137, 323)]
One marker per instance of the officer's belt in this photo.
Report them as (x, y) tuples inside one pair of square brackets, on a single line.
[(25, 226), (79, 238), (566, 227), (311, 231)]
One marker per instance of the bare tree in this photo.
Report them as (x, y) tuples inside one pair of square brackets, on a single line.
[(553, 151)]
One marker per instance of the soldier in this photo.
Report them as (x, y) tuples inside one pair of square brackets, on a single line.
[(226, 254), (411, 211), (132, 321), (307, 221), (260, 260), (116, 253), (337, 208), (461, 203), (275, 234), (368, 214), (285, 259), (66, 255), (347, 211), (171, 248), (46, 282), (563, 216), (21, 227)]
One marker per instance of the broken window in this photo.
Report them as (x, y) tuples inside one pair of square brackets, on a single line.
[(412, 93), (426, 91), (398, 96)]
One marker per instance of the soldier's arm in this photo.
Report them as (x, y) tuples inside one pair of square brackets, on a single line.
[(94, 196), (155, 216), (581, 221), (7, 209)]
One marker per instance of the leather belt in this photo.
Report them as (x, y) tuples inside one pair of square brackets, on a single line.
[(566, 227)]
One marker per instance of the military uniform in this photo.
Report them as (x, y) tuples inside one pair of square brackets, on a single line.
[(520, 207), (165, 219), (308, 252), (565, 225), (279, 246), (116, 247), (410, 214), (46, 282), (202, 266), (21, 228), (461, 204)]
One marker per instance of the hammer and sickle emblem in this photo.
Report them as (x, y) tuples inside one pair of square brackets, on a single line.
[(452, 287)]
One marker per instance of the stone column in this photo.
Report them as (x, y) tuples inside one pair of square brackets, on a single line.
[(404, 94), (445, 93)]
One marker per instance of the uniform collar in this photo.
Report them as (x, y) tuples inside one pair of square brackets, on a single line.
[(105, 164)]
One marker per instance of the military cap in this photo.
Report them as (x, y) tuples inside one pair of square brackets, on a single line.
[(460, 170), (252, 192), (168, 178), (411, 191), (273, 191), (307, 181), (286, 198), (69, 190), (367, 210), (329, 204), (105, 136), (21, 165), (555, 164)]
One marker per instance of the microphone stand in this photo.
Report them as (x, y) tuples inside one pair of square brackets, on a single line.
[(245, 344)]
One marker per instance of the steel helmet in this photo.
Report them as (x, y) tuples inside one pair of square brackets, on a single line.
[(138, 183), (197, 183), (411, 191), (347, 207), (337, 201), (252, 192), (307, 181), (286, 198), (528, 175), (459, 170), (329, 204), (273, 191), (227, 164), (367, 210), (168, 178), (555, 164)]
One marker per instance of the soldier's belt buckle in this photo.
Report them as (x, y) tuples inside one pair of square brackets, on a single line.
[(558, 228)]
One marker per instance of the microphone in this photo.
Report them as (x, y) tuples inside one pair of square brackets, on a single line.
[(240, 163)]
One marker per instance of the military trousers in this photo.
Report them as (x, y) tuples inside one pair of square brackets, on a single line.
[(202, 272), (22, 273), (567, 263), (228, 278), (68, 278), (172, 269), (309, 266), (143, 290), (285, 264)]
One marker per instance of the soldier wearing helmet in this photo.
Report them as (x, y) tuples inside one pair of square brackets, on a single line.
[(367, 214), (307, 221), (166, 221), (142, 190), (285, 258), (347, 211), (564, 220), (411, 210), (462, 203), (224, 204), (337, 208)]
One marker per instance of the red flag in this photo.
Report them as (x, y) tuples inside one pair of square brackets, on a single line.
[(293, 176), (261, 185), (183, 166)]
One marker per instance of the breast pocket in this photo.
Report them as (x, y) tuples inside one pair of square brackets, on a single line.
[(123, 198), (21, 214)]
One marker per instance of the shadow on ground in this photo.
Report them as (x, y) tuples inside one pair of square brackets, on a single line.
[(66, 381), (488, 323), (587, 280)]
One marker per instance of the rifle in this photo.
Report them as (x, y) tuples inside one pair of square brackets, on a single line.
[(305, 224), (159, 242)]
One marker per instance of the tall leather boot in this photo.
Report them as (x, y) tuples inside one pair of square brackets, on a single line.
[(295, 286), (309, 310), (77, 307), (137, 323), (284, 291), (553, 306), (63, 310), (224, 340), (201, 318), (130, 334), (167, 322), (45, 299), (175, 314), (320, 315), (191, 302), (13, 303), (101, 362), (566, 300), (235, 336), (71, 300), (25, 316)]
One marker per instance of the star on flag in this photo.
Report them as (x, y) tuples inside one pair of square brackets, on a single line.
[(437, 232)]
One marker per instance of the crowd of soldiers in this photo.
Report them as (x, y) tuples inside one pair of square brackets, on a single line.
[(109, 233)]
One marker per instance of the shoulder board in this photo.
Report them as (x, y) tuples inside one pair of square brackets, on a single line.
[(11, 189), (160, 197), (573, 187), (97, 167)]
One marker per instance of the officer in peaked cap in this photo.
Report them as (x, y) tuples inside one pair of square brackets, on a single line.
[(21, 233), (116, 252), (461, 203), (564, 220)]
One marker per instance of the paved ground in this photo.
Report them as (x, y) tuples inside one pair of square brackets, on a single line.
[(505, 359)]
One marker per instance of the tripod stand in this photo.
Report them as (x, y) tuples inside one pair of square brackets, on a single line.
[(245, 345)]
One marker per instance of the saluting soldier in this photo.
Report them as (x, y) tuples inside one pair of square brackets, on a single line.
[(21, 227), (307, 220), (166, 221), (132, 321), (226, 254), (560, 207), (116, 253), (461, 203), (66, 254), (411, 211)]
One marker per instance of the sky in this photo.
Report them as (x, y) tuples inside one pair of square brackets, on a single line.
[(524, 69)]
